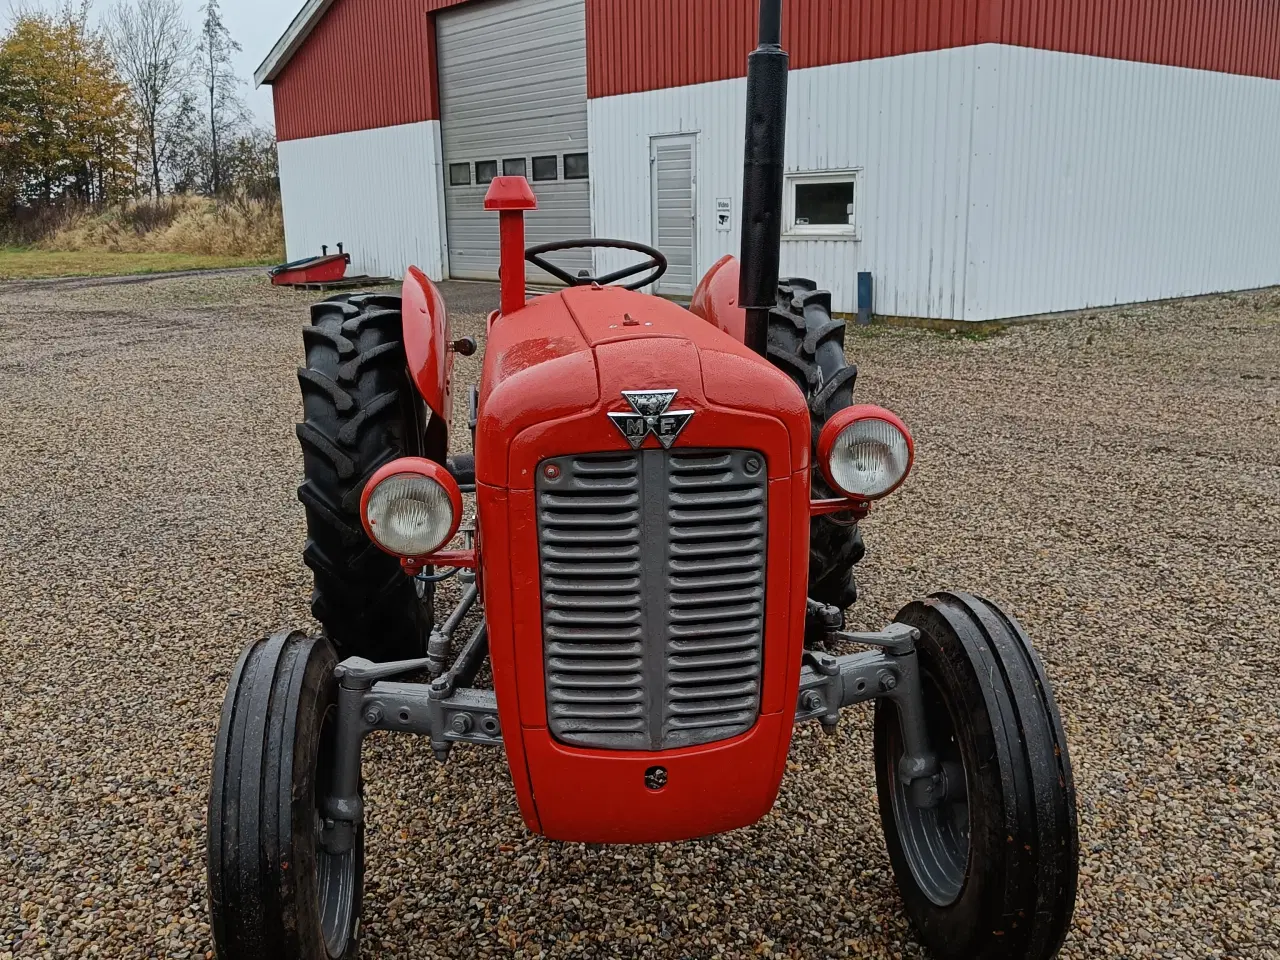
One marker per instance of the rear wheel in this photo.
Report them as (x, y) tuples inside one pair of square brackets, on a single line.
[(275, 892), (360, 410), (990, 872), (807, 344)]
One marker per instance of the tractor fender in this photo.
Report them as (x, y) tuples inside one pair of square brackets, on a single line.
[(716, 299), (426, 342)]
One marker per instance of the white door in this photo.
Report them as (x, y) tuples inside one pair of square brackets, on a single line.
[(673, 180)]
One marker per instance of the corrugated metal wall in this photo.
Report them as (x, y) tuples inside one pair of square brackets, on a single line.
[(1101, 181), (994, 181), (636, 45), (377, 191), (906, 121), (367, 63), (371, 63), (1229, 36)]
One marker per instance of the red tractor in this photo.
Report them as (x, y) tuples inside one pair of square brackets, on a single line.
[(667, 506)]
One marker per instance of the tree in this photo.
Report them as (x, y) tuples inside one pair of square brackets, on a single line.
[(153, 51), (65, 120), (215, 49)]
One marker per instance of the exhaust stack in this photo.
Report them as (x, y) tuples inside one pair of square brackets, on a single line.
[(762, 176)]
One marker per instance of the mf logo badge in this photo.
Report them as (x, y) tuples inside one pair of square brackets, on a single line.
[(649, 414)]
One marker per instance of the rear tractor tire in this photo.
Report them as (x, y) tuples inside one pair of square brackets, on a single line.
[(990, 872), (807, 344), (360, 410), (275, 892)]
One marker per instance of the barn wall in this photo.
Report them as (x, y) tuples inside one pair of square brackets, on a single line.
[(370, 63), (1107, 181), (365, 64), (638, 45), (904, 120), (995, 181), (376, 191)]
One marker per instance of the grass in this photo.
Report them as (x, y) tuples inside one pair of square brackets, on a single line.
[(19, 263), (231, 227)]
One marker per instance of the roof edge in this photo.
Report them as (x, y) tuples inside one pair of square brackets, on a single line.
[(293, 37)]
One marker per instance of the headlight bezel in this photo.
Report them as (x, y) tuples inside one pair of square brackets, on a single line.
[(412, 468), (847, 419)]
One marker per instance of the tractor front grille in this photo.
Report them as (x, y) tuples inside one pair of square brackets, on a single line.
[(653, 580)]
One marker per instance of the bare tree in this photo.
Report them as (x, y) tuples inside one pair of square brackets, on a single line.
[(215, 49), (153, 52)]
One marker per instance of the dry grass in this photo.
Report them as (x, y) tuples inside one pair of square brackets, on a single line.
[(236, 227), (26, 264)]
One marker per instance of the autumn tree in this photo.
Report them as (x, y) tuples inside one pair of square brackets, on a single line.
[(215, 48), (65, 117), (153, 51)]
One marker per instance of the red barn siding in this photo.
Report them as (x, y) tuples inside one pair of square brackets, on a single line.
[(635, 45), (1225, 36), (372, 63), (366, 64)]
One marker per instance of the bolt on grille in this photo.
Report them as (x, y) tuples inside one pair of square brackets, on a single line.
[(653, 575)]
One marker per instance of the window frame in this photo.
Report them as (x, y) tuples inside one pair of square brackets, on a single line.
[(484, 183), (827, 231), (533, 168), (461, 163), (523, 161), (576, 153)]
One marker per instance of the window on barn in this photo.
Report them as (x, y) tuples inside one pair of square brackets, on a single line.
[(822, 204), (544, 168), (513, 167), (459, 174), (575, 166), (486, 170)]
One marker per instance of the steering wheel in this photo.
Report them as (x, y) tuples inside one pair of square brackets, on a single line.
[(656, 262)]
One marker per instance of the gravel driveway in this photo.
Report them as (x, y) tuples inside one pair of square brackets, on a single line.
[(1114, 478)]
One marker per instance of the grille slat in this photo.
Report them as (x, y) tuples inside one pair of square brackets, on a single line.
[(653, 596), (717, 522)]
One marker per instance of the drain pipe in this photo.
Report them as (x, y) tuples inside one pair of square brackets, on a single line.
[(762, 176)]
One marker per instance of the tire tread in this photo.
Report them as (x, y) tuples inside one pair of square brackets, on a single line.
[(807, 344), (360, 411), (1037, 875)]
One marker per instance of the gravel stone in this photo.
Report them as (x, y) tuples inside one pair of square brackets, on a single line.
[(1113, 477)]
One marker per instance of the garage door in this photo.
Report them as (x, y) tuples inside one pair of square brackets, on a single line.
[(513, 100)]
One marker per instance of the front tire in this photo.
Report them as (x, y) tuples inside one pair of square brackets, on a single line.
[(990, 874), (274, 892)]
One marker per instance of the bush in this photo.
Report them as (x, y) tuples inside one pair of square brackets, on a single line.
[(238, 226)]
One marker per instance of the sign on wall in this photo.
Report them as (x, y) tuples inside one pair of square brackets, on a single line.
[(724, 214)]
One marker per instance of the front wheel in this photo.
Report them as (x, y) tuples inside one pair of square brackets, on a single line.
[(275, 893), (990, 872)]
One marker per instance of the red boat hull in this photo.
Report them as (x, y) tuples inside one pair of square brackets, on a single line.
[(312, 270)]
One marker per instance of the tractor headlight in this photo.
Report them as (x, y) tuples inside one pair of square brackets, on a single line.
[(865, 452), (411, 507)]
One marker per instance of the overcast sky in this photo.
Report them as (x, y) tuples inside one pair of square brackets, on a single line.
[(254, 24)]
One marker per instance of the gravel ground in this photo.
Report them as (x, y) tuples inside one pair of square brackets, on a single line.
[(1114, 478)]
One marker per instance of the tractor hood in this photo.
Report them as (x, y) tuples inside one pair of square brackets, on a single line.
[(569, 355)]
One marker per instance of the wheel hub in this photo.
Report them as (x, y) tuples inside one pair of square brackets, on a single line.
[(934, 824)]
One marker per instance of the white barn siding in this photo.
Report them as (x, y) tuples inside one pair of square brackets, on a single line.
[(1097, 182), (379, 192), (995, 181), (904, 120)]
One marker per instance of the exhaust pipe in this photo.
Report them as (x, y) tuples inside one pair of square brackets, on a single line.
[(762, 176)]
